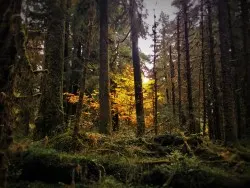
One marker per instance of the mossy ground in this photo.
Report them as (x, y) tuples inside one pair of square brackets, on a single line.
[(120, 161)]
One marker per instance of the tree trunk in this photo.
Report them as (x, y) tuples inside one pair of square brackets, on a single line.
[(165, 68), (104, 82), (234, 63), (227, 87), (10, 26), (51, 118), (155, 81), (179, 71), (115, 110), (208, 89), (79, 106), (213, 80), (67, 49), (166, 76), (203, 69), (137, 69), (75, 72), (84, 70), (246, 51), (67, 67), (191, 121), (172, 79)]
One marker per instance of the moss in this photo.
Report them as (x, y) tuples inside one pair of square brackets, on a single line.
[(32, 185), (121, 166), (51, 156), (109, 182), (51, 166), (187, 173), (64, 142)]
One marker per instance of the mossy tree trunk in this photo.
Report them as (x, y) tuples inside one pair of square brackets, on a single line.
[(104, 82), (9, 28), (51, 113)]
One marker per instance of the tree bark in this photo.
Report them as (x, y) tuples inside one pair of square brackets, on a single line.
[(67, 66), (51, 115), (191, 121), (67, 49), (203, 68), (155, 82), (172, 79), (234, 63), (137, 69), (84, 70), (75, 71), (246, 51), (115, 110), (10, 28), (179, 72), (227, 87), (104, 82), (213, 81)]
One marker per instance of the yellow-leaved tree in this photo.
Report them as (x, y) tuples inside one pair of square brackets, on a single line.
[(123, 101)]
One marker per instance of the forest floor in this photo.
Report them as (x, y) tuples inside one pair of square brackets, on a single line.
[(121, 161)]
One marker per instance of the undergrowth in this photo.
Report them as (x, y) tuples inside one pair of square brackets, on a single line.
[(131, 162)]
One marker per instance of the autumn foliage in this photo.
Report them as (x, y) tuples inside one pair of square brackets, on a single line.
[(122, 100)]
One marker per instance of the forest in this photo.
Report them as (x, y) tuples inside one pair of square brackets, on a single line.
[(82, 106)]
